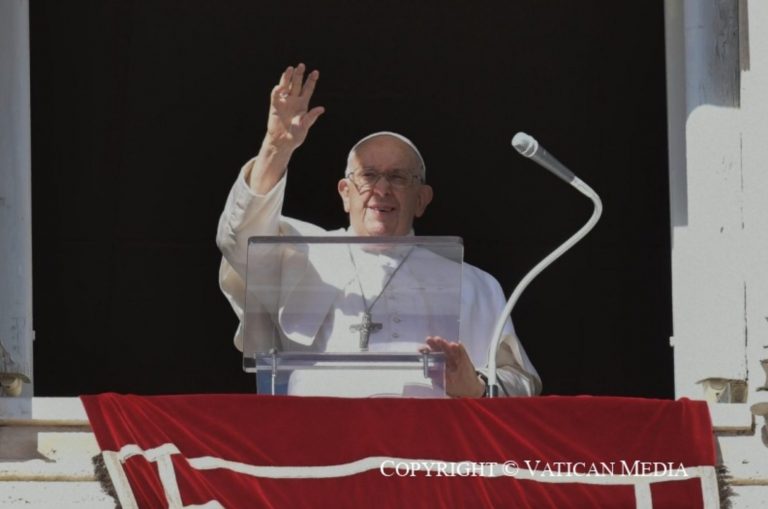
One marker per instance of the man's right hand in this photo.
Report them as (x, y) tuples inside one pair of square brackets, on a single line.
[(289, 114), (288, 123)]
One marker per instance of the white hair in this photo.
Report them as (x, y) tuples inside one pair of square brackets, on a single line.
[(422, 166)]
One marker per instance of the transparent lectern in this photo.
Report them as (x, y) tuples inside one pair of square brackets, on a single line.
[(348, 316)]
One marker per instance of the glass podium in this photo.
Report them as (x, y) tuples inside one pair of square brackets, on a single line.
[(349, 316)]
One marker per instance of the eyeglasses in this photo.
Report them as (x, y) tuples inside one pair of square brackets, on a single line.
[(366, 179)]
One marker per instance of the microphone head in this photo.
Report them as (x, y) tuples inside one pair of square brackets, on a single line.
[(525, 144)]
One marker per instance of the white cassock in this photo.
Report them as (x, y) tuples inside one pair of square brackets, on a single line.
[(321, 320)]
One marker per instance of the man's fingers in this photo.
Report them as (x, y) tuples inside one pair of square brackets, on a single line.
[(448, 348), (460, 378), (436, 343), (283, 86), (285, 78), (311, 117), (461, 352), (463, 359), (292, 83), (297, 79), (309, 85), (455, 353), (278, 93), (454, 357)]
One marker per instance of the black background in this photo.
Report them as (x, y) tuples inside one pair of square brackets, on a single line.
[(144, 111)]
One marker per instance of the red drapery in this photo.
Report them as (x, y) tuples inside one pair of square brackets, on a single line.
[(262, 451)]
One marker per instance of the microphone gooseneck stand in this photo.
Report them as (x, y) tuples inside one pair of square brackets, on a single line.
[(529, 147)]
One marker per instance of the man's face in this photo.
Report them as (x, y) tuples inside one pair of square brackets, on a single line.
[(384, 209)]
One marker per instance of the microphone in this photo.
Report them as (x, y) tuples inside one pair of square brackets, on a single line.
[(529, 147)]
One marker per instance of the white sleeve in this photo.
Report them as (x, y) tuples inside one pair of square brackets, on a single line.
[(247, 214), (514, 371), (482, 303)]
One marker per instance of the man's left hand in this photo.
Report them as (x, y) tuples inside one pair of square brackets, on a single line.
[(460, 376)]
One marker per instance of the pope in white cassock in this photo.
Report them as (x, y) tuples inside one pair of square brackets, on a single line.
[(383, 190)]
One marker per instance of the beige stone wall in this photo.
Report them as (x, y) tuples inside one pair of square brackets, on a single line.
[(717, 73), (46, 458)]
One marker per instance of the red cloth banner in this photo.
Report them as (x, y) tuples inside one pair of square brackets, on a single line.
[(265, 451)]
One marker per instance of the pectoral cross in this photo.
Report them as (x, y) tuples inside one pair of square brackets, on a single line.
[(365, 328)]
